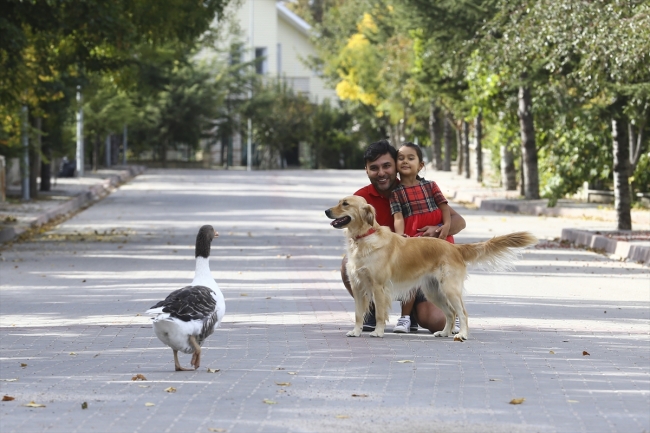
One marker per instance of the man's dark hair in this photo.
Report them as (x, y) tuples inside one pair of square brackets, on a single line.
[(377, 149)]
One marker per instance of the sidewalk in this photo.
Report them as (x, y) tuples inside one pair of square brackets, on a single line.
[(70, 195)]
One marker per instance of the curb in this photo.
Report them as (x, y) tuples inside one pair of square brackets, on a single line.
[(621, 249), (75, 203)]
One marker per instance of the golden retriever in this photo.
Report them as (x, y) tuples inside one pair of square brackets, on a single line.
[(383, 266)]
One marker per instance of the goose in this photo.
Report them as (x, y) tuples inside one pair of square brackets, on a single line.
[(189, 315)]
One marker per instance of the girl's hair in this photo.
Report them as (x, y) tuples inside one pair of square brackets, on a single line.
[(418, 151)]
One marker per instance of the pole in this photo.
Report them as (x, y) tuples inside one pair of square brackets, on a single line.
[(80, 135), (249, 141), (125, 140), (25, 162)]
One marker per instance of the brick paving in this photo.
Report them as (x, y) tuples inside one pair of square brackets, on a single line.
[(72, 299)]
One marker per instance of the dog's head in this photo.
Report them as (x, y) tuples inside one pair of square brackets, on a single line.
[(352, 213)]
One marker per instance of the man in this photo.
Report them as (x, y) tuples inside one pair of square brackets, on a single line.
[(381, 168)]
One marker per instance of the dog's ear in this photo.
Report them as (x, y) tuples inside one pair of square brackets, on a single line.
[(368, 214)]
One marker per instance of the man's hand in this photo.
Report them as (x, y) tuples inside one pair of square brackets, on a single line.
[(431, 231)]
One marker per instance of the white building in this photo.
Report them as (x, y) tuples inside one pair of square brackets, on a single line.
[(273, 32)]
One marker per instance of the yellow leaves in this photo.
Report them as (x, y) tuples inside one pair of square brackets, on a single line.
[(170, 389), (359, 395), (149, 404), (517, 400), (139, 377), (283, 383), (213, 370), (343, 416), (269, 401), (406, 361), (367, 23), (33, 404)]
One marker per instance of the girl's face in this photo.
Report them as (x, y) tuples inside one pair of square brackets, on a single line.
[(408, 162)]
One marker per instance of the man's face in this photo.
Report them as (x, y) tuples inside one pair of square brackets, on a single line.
[(382, 173)]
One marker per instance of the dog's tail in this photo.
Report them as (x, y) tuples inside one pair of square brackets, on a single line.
[(497, 253)]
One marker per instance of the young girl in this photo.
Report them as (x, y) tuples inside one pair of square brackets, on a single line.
[(416, 203)]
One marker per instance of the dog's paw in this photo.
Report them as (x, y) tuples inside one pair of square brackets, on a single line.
[(440, 334), (354, 333), (460, 336), (376, 334)]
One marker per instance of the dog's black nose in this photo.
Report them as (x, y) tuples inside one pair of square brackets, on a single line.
[(327, 213)]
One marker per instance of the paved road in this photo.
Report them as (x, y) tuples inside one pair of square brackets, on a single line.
[(72, 299)]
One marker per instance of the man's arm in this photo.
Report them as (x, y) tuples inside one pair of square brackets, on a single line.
[(457, 224)]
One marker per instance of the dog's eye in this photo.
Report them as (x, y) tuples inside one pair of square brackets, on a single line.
[(345, 203)]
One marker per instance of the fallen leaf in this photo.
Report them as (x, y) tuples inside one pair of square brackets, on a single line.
[(573, 401), (268, 297), (243, 294), (288, 256), (292, 372), (342, 416), (495, 380), (8, 398), (170, 389), (218, 430), (213, 370), (32, 404), (359, 395), (551, 352), (8, 380), (149, 404), (144, 386), (84, 405), (23, 365), (517, 400), (267, 401), (279, 368), (139, 377), (72, 354), (585, 353), (405, 361), (283, 383)]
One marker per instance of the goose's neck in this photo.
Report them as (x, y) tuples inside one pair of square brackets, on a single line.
[(202, 269)]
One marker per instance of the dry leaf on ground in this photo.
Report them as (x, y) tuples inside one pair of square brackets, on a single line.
[(149, 404), (170, 389), (8, 398), (405, 361), (8, 380), (268, 401), (292, 372), (517, 400), (84, 405), (72, 354), (359, 395), (217, 430), (551, 352), (495, 380), (283, 383), (573, 401), (213, 370), (23, 365), (33, 404), (139, 377), (144, 386), (585, 353), (342, 416)]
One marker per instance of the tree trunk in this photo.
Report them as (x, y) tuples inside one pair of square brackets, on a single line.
[(478, 131), (95, 152), (35, 159), (622, 199), (508, 172), (435, 131), (528, 146), (466, 149), (459, 151), (449, 141)]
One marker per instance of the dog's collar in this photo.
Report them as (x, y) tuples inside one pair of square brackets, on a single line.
[(368, 233)]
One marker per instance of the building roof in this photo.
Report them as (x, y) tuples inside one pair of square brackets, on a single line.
[(293, 19)]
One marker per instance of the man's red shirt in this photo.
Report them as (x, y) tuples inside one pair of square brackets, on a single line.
[(380, 203)]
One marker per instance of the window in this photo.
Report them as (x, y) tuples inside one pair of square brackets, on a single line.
[(261, 61)]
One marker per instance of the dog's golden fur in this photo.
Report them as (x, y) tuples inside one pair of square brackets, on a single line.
[(383, 266)]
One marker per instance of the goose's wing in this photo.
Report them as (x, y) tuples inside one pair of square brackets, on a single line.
[(189, 303)]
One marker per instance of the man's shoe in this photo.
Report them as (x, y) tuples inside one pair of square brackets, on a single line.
[(403, 325), (456, 328), (414, 322), (369, 321)]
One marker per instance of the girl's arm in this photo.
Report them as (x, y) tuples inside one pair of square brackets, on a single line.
[(446, 221), (398, 220)]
